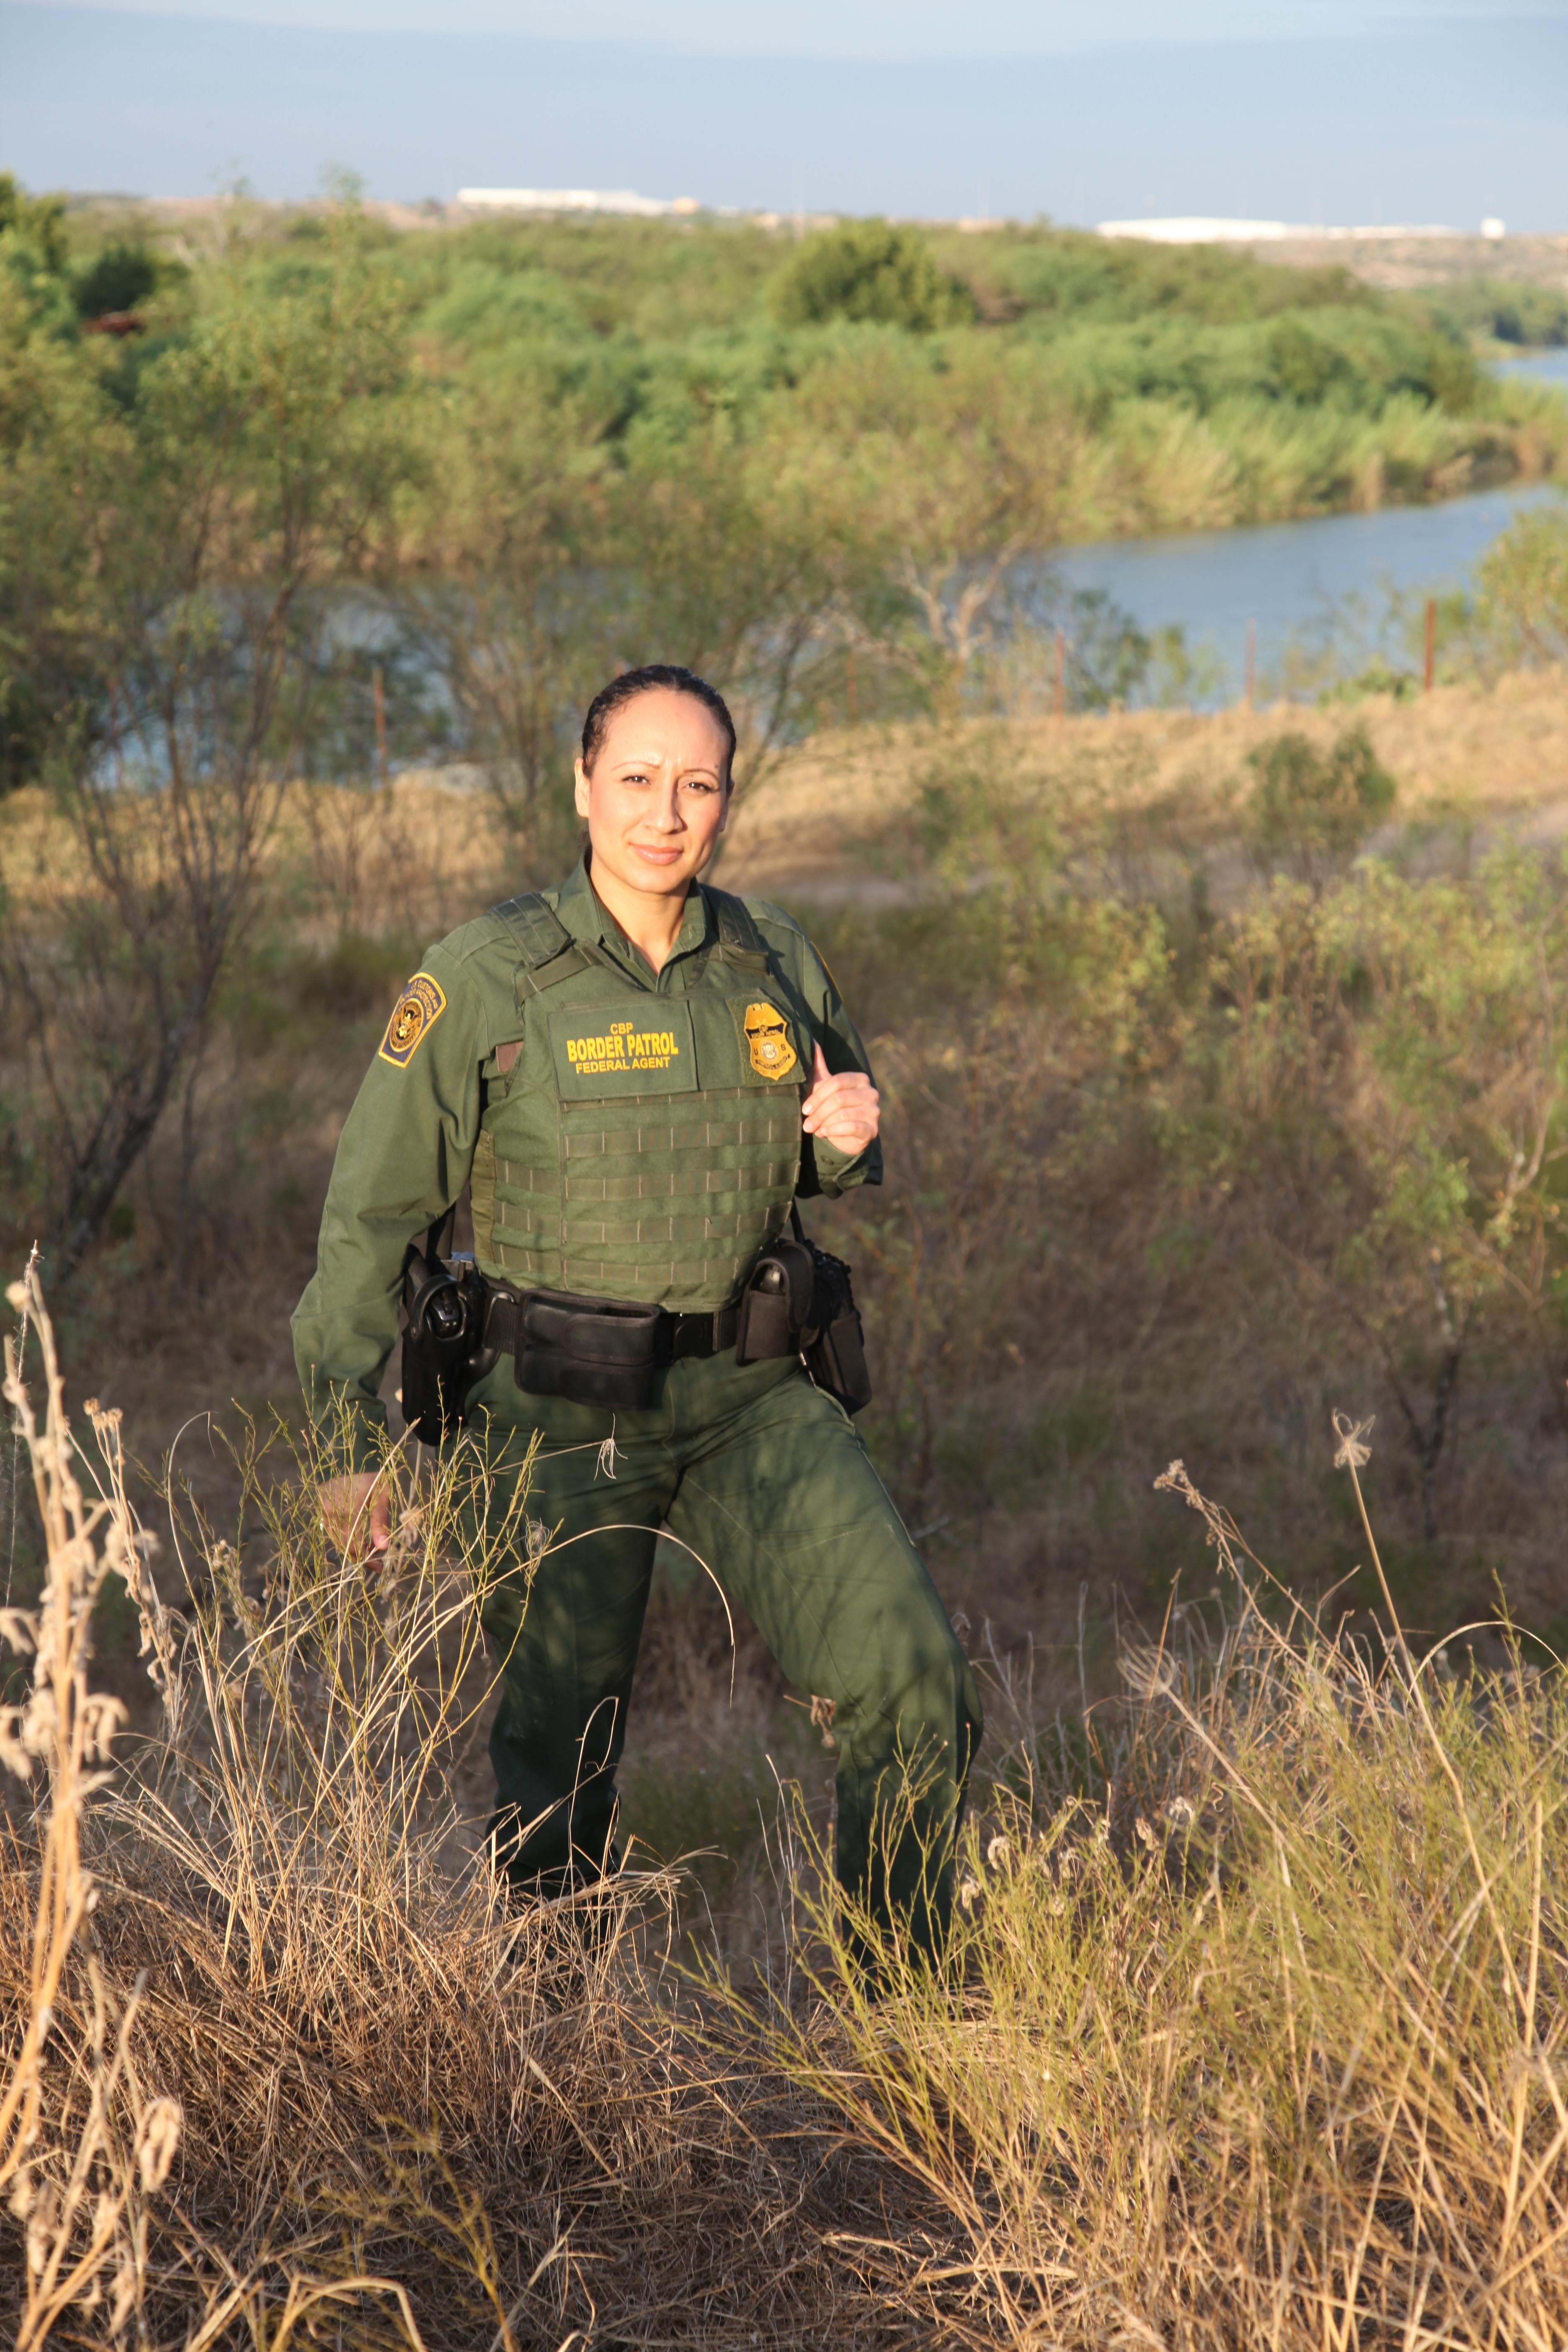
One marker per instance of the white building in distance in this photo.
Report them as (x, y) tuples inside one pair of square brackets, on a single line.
[(573, 200), (1251, 232)]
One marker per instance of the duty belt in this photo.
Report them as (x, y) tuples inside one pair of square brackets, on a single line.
[(676, 1335)]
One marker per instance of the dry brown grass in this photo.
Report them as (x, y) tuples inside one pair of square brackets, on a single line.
[(431, 851), (1264, 2048), (1472, 755), (83, 2145), (1251, 2035), (405, 2111)]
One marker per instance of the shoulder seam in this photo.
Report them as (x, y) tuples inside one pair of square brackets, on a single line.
[(491, 932), (764, 911)]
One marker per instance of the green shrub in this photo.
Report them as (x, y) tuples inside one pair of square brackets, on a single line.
[(1313, 810), (870, 272), (121, 278)]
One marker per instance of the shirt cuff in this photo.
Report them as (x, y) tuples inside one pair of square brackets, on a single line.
[(840, 1171)]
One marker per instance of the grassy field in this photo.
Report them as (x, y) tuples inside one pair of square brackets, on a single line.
[(1249, 2035), (1224, 1070)]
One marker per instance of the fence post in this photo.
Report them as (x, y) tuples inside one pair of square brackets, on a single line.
[(1429, 663)]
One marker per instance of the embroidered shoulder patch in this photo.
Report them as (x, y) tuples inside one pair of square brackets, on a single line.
[(767, 1035), (421, 1003)]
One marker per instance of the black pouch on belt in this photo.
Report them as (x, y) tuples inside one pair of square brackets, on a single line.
[(775, 1305), (799, 1302), (598, 1351)]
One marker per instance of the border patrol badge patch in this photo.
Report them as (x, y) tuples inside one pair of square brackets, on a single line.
[(773, 1056), (420, 1003)]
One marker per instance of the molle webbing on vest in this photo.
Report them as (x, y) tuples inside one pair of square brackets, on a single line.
[(665, 1197)]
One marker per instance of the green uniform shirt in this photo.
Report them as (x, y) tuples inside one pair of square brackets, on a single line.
[(407, 1148)]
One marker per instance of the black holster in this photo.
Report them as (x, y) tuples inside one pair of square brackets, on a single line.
[(444, 1307), (835, 1348)]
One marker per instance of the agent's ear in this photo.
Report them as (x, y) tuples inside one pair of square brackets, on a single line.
[(581, 789)]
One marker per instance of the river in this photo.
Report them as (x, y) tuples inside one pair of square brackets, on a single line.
[(1324, 596)]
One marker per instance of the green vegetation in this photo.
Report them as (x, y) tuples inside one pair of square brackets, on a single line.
[(1328, 1123), (871, 273), (116, 280), (1504, 311), (885, 430), (1212, 1107), (1313, 810)]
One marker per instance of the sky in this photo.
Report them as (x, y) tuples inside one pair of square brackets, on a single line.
[(1080, 109)]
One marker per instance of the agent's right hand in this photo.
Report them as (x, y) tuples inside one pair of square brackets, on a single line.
[(356, 1511)]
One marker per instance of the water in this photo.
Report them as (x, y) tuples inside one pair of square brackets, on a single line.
[(1322, 592), (1548, 367)]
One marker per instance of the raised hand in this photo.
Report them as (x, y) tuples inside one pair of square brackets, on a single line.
[(844, 1112)]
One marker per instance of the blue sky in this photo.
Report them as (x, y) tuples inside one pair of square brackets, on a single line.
[(1294, 108)]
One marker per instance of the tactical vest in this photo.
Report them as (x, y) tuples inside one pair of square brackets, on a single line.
[(640, 1146)]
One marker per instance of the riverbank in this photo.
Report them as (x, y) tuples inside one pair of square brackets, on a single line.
[(835, 817), (1474, 763)]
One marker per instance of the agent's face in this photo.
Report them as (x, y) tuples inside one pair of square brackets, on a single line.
[(655, 799)]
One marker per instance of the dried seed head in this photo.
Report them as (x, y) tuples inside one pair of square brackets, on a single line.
[(124, 2294), (42, 2215), (159, 2138), (1352, 1452)]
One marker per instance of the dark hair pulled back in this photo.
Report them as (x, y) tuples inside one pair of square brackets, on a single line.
[(633, 682)]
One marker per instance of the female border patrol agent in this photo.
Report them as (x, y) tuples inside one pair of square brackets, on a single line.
[(636, 1075)]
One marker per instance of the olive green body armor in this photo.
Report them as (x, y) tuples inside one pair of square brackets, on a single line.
[(638, 1147)]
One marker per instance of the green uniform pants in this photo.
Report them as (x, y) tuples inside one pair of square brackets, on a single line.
[(766, 1479)]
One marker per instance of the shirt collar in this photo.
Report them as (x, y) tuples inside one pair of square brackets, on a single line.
[(586, 917)]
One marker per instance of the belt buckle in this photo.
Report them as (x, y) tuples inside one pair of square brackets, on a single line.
[(693, 1335)]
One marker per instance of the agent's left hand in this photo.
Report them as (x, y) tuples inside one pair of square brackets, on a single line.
[(844, 1112)]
